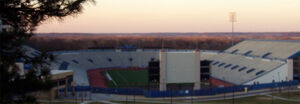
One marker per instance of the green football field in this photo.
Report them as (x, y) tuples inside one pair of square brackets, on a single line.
[(126, 78)]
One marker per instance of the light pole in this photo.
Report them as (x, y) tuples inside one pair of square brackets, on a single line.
[(232, 18), (272, 90), (279, 87), (288, 87), (192, 96), (134, 84), (232, 95), (127, 86), (171, 95), (82, 93), (224, 87)]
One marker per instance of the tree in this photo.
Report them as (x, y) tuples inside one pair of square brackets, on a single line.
[(24, 16)]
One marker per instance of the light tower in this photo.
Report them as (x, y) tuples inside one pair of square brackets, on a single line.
[(232, 18)]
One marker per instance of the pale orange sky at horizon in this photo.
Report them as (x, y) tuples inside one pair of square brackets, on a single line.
[(139, 16)]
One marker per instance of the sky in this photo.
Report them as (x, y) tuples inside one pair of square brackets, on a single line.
[(144, 16)]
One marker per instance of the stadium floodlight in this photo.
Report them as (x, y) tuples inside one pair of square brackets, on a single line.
[(232, 18)]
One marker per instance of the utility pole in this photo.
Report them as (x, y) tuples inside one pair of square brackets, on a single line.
[(134, 94), (232, 18), (272, 91), (224, 87), (127, 86), (192, 98), (233, 95), (171, 95)]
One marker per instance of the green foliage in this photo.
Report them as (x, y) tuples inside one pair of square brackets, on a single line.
[(23, 16), (14, 86)]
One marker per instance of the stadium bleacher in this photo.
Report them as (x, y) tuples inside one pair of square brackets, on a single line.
[(281, 49), (82, 61), (239, 64), (247, 68), (250, 59)]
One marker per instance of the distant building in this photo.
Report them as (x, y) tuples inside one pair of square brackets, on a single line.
[(63, 79)]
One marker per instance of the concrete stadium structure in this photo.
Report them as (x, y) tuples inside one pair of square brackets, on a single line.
[(82, 61), (257, 61), (62, 79), (248, 62)]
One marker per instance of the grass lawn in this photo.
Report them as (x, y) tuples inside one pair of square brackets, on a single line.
[(250, 100), (72, 103), (124, 78), (247, 100), (63, 103), (289, 95), (261, 99)]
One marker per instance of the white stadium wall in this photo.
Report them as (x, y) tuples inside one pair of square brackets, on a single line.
[(279, 74), (179, 67), (162, 71), (290, 72)]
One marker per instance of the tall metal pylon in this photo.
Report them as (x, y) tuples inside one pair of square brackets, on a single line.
[(232, 18)]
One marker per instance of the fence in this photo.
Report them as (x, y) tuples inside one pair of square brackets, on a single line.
[(176, 93), (77, 88), (124, 91), (215, 91)]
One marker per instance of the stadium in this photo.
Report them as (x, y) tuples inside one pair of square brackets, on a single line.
[(137, 71)]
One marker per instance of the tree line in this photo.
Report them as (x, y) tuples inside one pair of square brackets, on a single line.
[(58, 43)]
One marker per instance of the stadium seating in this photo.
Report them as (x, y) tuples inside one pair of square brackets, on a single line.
[(281, 49), (240, 68), (82, 61), (250, 59), (239, 64)]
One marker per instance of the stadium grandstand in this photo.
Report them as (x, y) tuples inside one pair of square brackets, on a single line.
[(257, 61), (84, 60), (250, 62)]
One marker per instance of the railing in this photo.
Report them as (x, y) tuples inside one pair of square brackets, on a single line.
[(215, 91), (174, 93), (123, 91), (77, 88)]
